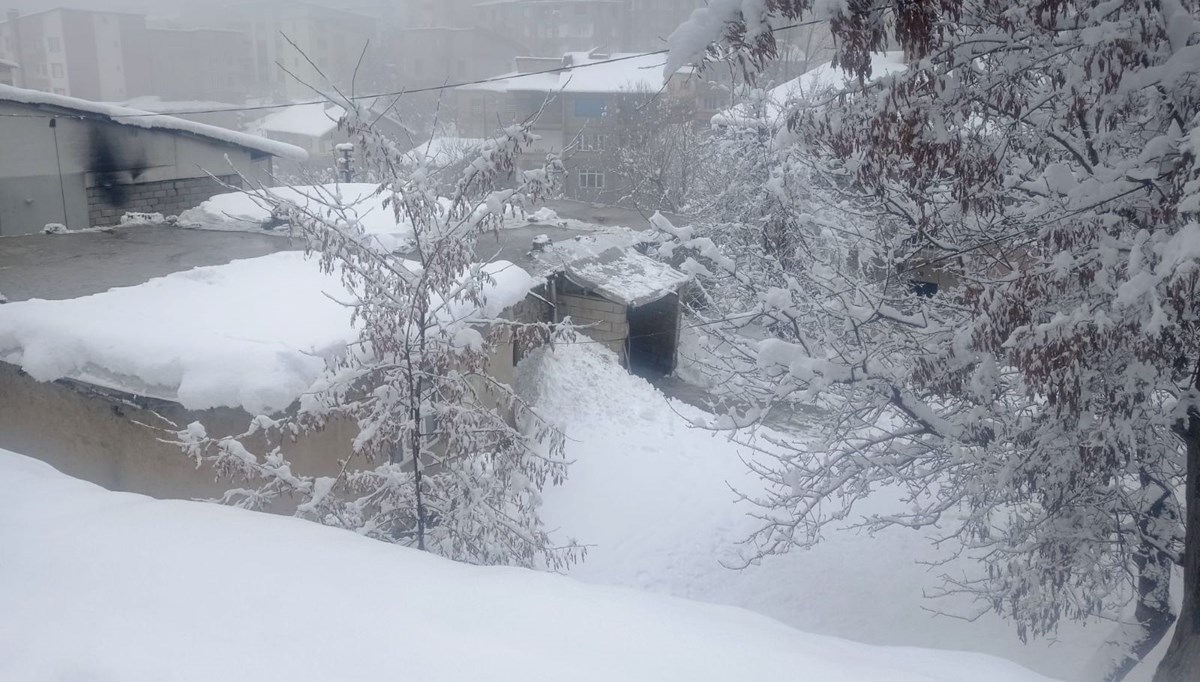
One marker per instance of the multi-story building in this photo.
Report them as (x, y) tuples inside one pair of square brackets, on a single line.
[(224, 74), (90, 55), (330, 40), (552, 27), (582, 106)]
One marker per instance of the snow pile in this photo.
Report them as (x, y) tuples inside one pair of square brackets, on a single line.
[(314, 120), (651, 496), (250, 210), (193, 592), (143, 119), (254, 333)]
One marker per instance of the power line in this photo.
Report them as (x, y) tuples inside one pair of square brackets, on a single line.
[(399, 93)]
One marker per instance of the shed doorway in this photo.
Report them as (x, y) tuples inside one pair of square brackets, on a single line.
[(653, 335)]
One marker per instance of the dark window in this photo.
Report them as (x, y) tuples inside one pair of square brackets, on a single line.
[(589, 107)]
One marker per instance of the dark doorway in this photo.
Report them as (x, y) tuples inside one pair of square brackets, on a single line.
[(653, 335)]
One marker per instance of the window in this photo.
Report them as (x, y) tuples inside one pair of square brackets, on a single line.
[(589, 107), (592, 142), (56, 70), (591, 179), (59, 91), (53, 44)]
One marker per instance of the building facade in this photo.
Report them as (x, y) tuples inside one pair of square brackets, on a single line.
[(82, 164), (583, 106), (101, 56)]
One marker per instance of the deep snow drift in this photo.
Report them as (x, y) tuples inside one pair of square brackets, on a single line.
[(652, 497), (115, 587)]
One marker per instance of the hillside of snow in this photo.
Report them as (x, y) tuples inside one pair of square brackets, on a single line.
[(652, 496), (99, 586)]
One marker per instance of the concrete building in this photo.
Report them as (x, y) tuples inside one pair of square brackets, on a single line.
[(551, 27), (586, 100), (114, 436), (83, 164), (102, 56), (331, 39), (8, 72), (224, 74)]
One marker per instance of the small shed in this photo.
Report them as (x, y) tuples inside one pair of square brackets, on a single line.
[(600, 278), (628, 301), (85, 164)]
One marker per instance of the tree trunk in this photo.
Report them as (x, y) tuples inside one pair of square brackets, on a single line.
[(1182, 662)]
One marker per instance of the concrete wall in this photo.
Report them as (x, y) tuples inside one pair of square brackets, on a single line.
[(112, 438), (599, 319), (168, 197), (96, 436), (88, 154)]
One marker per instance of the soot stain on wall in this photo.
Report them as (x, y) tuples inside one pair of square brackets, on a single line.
[(118, 160)]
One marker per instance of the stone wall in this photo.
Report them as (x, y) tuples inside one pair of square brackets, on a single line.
[(597, 318), (168, 197)]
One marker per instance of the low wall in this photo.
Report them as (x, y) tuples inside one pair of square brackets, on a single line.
[(168, 197), (109, 438), (113, 439)]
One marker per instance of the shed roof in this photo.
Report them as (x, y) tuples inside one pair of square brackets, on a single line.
[(626, 276), (316, 119), (143, 119)]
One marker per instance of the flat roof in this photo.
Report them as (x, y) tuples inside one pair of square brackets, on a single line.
[(114, 113)]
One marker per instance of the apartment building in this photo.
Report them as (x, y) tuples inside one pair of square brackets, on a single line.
[(587, 103), (91, 55)]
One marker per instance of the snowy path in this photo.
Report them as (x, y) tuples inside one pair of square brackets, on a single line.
[(652, 497)]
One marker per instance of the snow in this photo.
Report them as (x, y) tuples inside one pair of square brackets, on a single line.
[(193, 592), (253, 333), (651, 496), (626, 276), (248, 211), (822, 79), (316, 120), (587, 73), (143, 119), (445, 150)]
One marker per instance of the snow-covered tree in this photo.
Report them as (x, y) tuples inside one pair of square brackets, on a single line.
[(1038, 162), (653, 146), (446, 457)]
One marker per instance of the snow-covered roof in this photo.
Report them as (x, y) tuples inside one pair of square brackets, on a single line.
[(583, 72), (158, 105), (626, 276), (308, 120), (825, 77), (253, 333), (144, 119), (444, 150)]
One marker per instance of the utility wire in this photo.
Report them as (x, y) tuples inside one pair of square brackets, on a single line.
[(399, 93)]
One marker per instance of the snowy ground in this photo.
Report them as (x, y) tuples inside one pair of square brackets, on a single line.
[(652, 497), (97, 586)]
